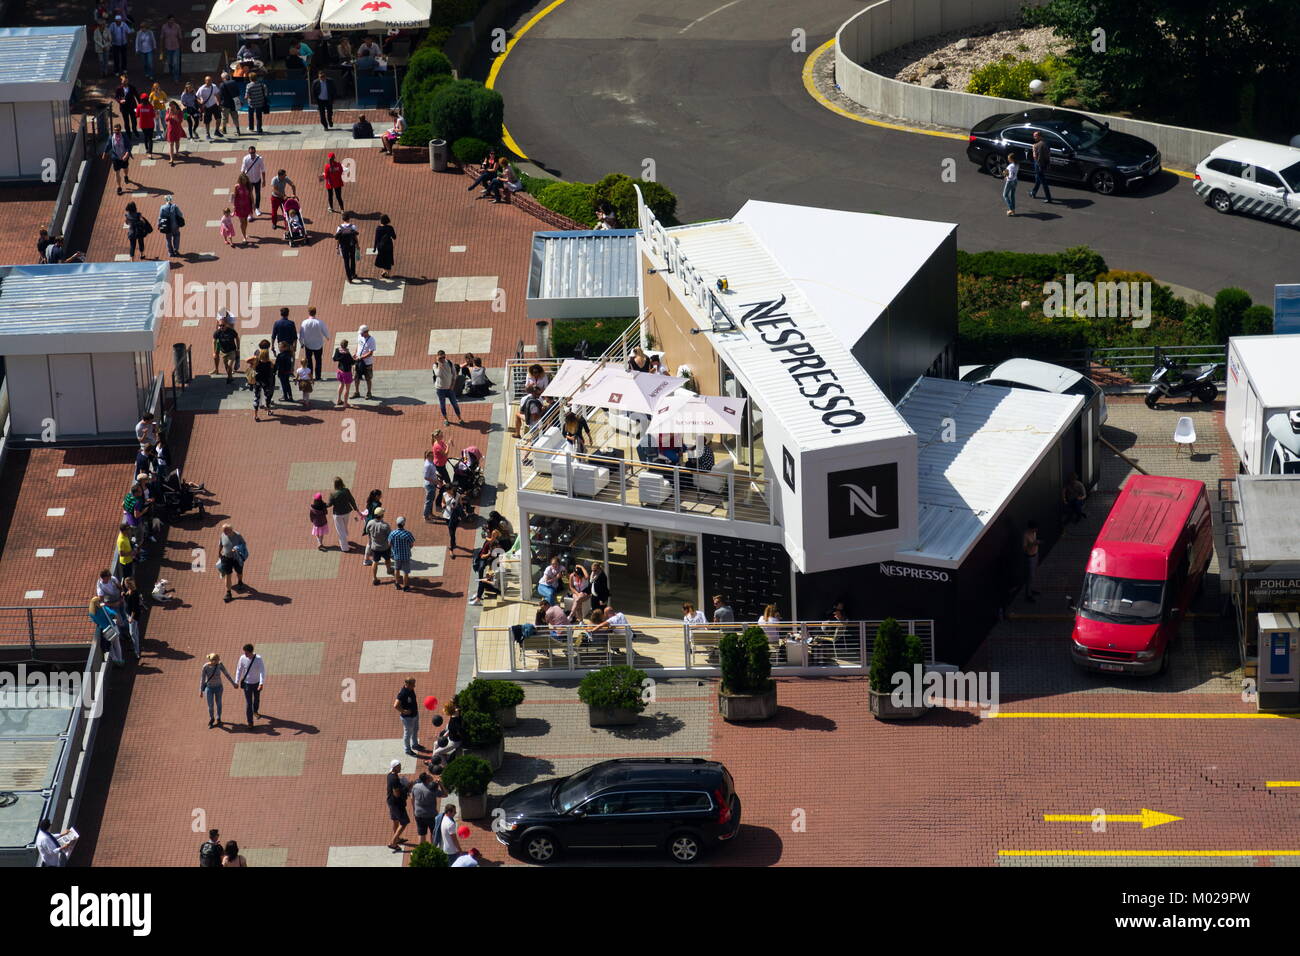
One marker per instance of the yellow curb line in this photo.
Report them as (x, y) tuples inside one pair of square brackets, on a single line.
[(1148, 852), (1282, 783), (500, 60), (811, 87), (1088, 715)]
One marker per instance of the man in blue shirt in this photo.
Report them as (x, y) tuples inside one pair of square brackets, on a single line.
[(400, 542), (284, 331)]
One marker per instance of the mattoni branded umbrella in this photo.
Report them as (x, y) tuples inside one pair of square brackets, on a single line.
[(690, 414), (263, 16), (375, 14), (626, 391)]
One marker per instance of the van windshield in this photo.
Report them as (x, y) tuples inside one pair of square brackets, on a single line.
[(1121, 600)]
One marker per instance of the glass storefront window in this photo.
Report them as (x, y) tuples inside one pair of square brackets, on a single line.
[(675, 577), (576, 542)]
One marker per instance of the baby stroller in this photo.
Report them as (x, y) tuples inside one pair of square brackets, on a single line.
[(468, 473), (177, 497), (295, 230)]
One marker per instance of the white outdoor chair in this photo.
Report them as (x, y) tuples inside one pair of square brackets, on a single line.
[(588, 480), (715, 481), (1185, 434), (544, 457), (654, 489)]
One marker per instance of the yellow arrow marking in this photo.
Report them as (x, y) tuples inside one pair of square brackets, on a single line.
[(1148, 818), (1283, 783), (500, 61)]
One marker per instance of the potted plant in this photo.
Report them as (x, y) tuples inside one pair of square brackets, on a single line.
[(426, 854), (747, 691), (413, 147), (506, 696), (613, 695), (483, 737), (892, 653), (467, 776)]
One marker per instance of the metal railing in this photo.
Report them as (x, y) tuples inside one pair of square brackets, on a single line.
[(798, 648), (1138, 362), (46, 625)]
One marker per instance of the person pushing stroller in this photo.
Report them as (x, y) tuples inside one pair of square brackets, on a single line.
[(295, 230)]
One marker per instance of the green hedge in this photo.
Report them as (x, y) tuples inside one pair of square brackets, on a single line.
[(418, 134), (1010, 332), (469, 151), (1080, 261), (575, 200), (578, 201), (599, 334)]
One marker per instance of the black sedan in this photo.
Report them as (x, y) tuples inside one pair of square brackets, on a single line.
[(1082, 150)]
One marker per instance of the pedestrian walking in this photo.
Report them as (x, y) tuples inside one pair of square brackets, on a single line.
[(408, 708), (103, 48), (225, 345), (1011, 177), (332, 177), (424, 804), (284, 371), (346, 236), (397, 790), (119, 151), (144, 119), (324, 92), (233, 857), (385, 236), (228, 98), (318, 514), (250, 677), (175, 130), (448, 841), (1042, 162), (159, 98), (241, 198), (284, 332), (400, 542), (228, 227), (125, 552), (379, 530), (170, 32), (261, 378), (599, 585), (433, 485), (211, 688), (280, 182), (146, 45), (192, 109), (137, 227), (211, 852), (1029, 549), (120, 34), (441, 451), (232, 552), (170, 223), (254, 167), (444, 380), (110, 640), (313, 334), (342, 507), (457, 511), (257, 96), (365, 370), (209, 97), (345, 361), (303, 376), (133, 606)]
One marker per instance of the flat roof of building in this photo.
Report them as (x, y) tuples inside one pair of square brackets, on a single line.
[(1272, 361), (80, 307), (978, 445), (1270, 519), (762, 291), (586, 274), (39, 62), (849, 265)]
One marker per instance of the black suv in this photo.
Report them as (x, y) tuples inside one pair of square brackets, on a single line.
[(1082, 150), (679, 804)]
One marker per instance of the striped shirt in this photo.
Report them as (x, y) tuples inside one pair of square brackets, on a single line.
[(400, 541)]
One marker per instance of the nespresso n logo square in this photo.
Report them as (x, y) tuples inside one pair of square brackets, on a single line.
[(862, 500), (787, 468)]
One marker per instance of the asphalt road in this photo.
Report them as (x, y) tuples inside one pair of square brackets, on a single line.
[(712, 92)]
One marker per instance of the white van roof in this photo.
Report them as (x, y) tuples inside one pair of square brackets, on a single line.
[(1272, 156)]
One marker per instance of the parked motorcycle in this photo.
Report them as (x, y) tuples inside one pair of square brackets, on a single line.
[(1171, 380)]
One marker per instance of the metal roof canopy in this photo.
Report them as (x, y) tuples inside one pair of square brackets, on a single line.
[(1270, 522), (73, 308), (583, 275), (39, 64), (998, 437)]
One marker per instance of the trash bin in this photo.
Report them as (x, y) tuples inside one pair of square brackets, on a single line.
[(438, 155), (181, 363)]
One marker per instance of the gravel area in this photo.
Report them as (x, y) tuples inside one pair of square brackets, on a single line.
[(946, 61)]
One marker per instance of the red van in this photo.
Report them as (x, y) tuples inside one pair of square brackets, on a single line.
[(1145, 568)]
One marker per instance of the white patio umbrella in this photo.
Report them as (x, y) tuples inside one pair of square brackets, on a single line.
[(375, 14), (263, 16), (689, 414), (568, 377), (627, 391)]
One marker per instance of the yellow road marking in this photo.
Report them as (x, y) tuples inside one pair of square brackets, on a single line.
[(500, 61), (1148, 818), (1283, 783), (1087, 715), (1149, 853), (811, 87)]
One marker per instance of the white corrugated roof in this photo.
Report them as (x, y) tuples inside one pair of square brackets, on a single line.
[(80, 307), (849, 265), (585, 264), (999, 435), (732, 249), (39, 61), (1272, 362)]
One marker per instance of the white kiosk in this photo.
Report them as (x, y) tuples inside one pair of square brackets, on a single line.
[(38, 68)]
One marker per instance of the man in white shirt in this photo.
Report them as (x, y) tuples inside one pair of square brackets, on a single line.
[(120, 34), (209, 98), (468, 859), (250, 675), (432, 475), (448, 841), (313, 335), (146, 430), (110, 592), (146, 46), (369, 48), (366, 346), (47, 844), (255, 168)]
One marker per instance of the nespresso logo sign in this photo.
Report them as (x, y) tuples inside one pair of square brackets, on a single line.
[(862, 500), (816, 380), (918, 574)]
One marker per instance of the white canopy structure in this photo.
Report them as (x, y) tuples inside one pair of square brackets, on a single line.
[(375, 14), (625, 391), (686, 413), (568, 377), (265, 16)]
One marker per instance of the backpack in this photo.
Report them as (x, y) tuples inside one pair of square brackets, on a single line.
[(210, 854), (164, 224)]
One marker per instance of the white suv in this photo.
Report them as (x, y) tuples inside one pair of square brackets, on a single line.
[(1246, 175)]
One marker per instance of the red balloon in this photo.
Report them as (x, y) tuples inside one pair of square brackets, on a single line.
[(430, 702), (463, 832)]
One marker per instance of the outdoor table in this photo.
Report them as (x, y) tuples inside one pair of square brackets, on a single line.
[(615, 458)]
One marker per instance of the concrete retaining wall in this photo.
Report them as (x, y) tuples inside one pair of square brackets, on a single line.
[(889, 24)]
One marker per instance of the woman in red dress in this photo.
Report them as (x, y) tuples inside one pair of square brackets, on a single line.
[(332, 177), (175, 130), (241, 200)]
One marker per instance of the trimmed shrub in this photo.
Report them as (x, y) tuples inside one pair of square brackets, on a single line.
[(428, 855), (746, 662), (1085, 264), (613, 688), (467, 775), (476, 696), (434, 38), (469, 151), (574, 200), (506, 693), (487, 112), (449, 111), (481, 729), (886, 655), (599, 334), (1040, 266), (417, 100), (1009, 331), (1230, 307), (1199, 324), (425, 62), (1257, 320), (617, 190), (417, 134)]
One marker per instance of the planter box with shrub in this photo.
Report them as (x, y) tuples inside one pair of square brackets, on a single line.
[(468, 776), (893, 652), (483, 737), (747, 691), (428, 855), (613, 695)]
